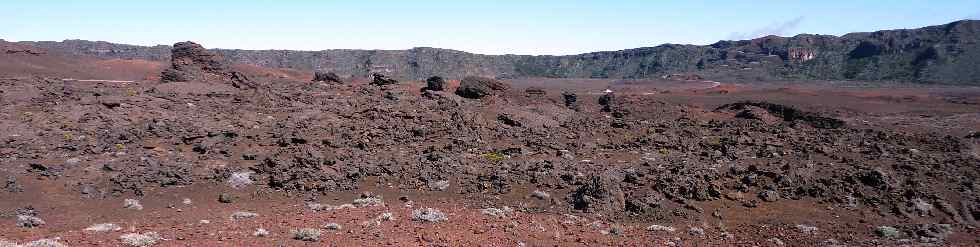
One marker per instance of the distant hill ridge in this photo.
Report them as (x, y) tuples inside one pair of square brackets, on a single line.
[(948, 54)]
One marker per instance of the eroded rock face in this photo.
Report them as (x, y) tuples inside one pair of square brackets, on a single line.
[(475, 87), (191, 62)]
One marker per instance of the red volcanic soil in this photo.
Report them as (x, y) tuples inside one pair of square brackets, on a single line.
[(38, 62)]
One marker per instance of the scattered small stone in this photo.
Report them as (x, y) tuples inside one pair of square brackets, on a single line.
[(47, 242), (5, 243), (776, 241), (616, 230), (830, 243), (187, 201), (241, 215), (540, 195), (132, 204), (921, 206), (332, 226), (496, 212), (90, 191), (934, 231), (659, 228), (240, 180), (440, 185), (368, 200), (888, 232), (103, 227), (28, 221), (12, 185), (596, 224), (140, 240), (204, 222), (429, 215), (261, 232), (73, 161), (807, 229), (769, 196), (386, 216), (565, 154), (226, 198), (307, 234), (696, 231), (319, 207)]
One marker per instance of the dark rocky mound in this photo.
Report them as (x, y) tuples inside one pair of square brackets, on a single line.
[(606, 101), (381, 80), (751, 110), (758, 113), (475, 87), (570, 99), (435, 83), (326, 77), (600, 194), (191, 62)]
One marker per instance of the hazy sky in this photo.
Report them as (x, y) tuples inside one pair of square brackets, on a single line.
[(488, 27)]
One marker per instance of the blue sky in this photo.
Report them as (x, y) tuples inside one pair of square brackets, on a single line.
[(488, 27)]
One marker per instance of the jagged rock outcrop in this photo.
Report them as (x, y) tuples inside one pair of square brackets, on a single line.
[(935, 54), (475, 87), (191, 62)]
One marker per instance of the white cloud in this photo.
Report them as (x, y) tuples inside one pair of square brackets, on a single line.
[(777, 28)]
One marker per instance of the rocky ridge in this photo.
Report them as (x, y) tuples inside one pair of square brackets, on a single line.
[(935, 54)]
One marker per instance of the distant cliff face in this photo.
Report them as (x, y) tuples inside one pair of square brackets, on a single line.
[(937, 54)]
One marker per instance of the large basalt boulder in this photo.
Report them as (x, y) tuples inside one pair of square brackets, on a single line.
[(475, 87), (381, 80), (606, 101), (191, 62), (326, 77), (436, 83), (570, 99)]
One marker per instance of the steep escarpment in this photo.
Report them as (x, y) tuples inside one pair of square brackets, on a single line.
[(935, 54)]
